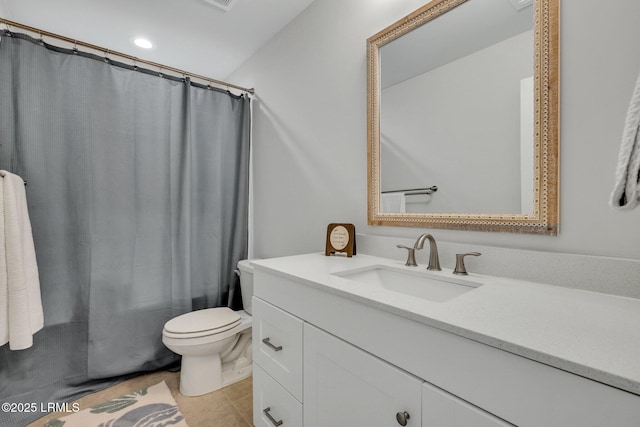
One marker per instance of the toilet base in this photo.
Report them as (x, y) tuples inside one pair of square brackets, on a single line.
[(200, 374), (235, 371), (203, 374)]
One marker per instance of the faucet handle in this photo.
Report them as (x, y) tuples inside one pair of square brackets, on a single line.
[(411, 256), (460, 268)]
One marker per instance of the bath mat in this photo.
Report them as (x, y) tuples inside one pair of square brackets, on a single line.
[(150, 407)]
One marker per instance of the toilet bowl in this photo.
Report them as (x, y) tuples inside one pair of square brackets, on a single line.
[(215, 343)]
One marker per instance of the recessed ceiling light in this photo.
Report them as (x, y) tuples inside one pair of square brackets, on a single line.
[(143, 43)]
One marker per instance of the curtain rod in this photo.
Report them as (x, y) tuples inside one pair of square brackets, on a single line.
[(122, 55)]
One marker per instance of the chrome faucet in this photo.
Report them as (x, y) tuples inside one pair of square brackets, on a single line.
[(434, 260)]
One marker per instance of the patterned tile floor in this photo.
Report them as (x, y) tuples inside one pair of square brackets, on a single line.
[(231, 406)]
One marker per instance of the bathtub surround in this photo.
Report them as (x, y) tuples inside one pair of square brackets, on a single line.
[(627, 188), (138, 191), (21, 313)]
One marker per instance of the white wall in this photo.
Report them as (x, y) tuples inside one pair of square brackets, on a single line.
[(4, 11), (310, 128)]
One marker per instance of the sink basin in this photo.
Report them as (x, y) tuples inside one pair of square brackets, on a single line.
[(416, 283)]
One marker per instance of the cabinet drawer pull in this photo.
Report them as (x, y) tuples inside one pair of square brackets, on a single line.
[(402, 417), (267, 341), (273, 421)]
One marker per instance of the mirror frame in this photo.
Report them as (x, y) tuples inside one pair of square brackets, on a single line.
[(545, 218)]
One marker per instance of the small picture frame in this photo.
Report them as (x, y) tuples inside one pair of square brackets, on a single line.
[(341, 239)]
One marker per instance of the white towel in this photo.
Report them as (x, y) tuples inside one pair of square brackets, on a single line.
[(21, 313), (626, 191), (393, 202)]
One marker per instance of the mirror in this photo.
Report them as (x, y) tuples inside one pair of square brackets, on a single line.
[(463, 117)]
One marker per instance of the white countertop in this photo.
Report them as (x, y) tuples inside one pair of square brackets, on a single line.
[(589, 334)]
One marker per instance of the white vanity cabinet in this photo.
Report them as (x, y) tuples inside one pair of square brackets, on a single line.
[(361, 363), (344, 386)]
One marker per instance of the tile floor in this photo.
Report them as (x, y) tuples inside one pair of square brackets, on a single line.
[(231, 406)]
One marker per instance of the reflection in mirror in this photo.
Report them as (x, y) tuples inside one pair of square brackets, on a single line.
[(451, 116), (453, 105)]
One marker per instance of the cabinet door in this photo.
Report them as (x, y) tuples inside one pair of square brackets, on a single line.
[(345, 386), (441, 409)]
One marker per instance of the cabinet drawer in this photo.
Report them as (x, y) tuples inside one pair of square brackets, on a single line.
[(277, 345), (272, 404)]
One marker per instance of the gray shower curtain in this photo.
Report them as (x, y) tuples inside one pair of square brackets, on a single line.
[(137, 192)]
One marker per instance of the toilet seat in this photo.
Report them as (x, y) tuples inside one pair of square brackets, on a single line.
[(201, 323)]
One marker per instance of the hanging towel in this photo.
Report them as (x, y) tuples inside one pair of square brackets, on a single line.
[(393, 203), (21, 313), (626, 191)]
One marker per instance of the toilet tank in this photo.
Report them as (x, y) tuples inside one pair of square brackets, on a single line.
[(246, 283)]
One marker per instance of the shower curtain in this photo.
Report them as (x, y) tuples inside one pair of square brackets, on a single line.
[(137, 188)]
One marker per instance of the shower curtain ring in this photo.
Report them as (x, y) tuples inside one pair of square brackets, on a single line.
[(75, 47), (41, 40), (160, 71), (209, 85), (9, 33), (106, 56), (135, 64)]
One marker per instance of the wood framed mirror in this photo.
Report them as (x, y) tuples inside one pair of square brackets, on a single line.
[(463, 126)]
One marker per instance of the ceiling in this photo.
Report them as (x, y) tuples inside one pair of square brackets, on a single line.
[(191, 35)]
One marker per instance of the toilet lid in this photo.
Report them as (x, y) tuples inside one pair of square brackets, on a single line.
[(207, 320)]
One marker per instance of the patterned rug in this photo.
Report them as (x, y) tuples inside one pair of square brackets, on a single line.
[(150, 407)]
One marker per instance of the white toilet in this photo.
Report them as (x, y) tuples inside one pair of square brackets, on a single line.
[(215, 343)]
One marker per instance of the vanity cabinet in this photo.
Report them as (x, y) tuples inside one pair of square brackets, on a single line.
[(343, 385), (355, 363)]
